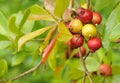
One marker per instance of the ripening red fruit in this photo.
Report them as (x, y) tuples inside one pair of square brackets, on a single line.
[(83, 52), (97, 18), (94, 44), (84, 15), (105, 70), (77, 40)]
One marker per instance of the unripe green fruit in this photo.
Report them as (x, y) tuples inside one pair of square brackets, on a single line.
[(89, 31), (76, 26)]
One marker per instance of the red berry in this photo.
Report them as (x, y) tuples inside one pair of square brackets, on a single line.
[(83, 52), (69, 44), (77, 41), (94, 44), (84, 15), (97, 18), (105, 70)]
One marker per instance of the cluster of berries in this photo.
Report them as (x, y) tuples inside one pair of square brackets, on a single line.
[(84, 30)]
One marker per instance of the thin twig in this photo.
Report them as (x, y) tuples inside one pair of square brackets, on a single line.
[(88, 4), (26, 72), (55, 18), (84, 78), (84, 66), (86, 55), (71, 4)]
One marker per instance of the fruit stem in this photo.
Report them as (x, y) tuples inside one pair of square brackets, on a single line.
[(86, 55), (84, 66), (84, 78), (88, 3)]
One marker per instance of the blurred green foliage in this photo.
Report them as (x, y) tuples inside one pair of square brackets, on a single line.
[(28, 56)]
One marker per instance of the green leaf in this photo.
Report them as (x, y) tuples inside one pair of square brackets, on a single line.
[(24, 19), (92, 64), (75, 74), (3, 25), (35, 9), (116, 78), (115, 69), (9, 81), (28, 26), (100, 54), (64, 33), (18, 58), (12, 26), (3, 67), (31, 35), (115, 34), (106, 7), (60, 7), (4, 44), (52, 57), (111, 23), (2, 37)]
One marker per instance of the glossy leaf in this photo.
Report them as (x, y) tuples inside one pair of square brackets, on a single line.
[(115, 34), (3, 25), (112, 21), (35, 9), (3, 67), (30, 36), (60, 6), (64, 33), (18, 58)]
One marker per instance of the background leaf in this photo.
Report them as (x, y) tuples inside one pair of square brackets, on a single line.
[(60, 6), (3, 25), (3, 67), (112, 21), (18, 58), (115, 34)]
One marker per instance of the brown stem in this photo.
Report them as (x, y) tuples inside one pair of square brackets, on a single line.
[(84, 66), (86, 55), (83, 81), (88, 4), (26, 72)]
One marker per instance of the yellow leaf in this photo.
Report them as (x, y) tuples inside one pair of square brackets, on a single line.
[(40, 17), (31, 35), (64, 33)]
